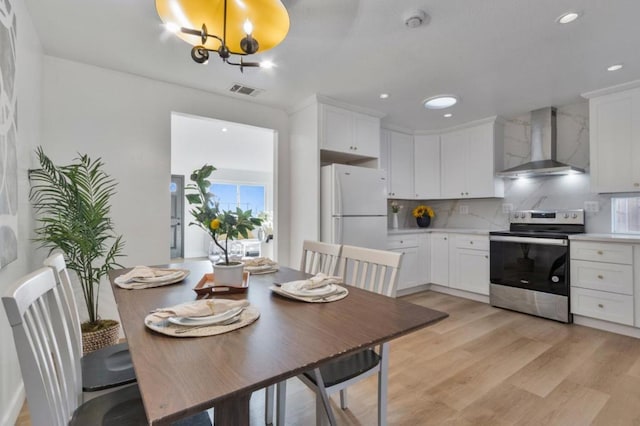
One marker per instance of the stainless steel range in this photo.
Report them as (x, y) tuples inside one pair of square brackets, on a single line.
[(529, 263)]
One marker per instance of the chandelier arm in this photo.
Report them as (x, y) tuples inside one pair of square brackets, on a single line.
[(199, 33)]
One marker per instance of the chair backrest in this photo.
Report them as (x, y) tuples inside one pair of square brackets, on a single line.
[(70, 310), (373, 270), (35, 311), (320, 257)]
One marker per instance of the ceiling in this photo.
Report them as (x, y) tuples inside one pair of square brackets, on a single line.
[(502, 57)]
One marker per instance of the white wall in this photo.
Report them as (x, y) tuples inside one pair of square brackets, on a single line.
[(126, 120), (240, 154), (29, 87)]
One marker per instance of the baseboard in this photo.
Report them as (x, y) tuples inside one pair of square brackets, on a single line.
[(460, 293), (10, 416), (607, 326), (412, 290)]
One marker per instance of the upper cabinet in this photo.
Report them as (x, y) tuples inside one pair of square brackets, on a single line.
[(348, 132), (469, 159), (614, 144), (426, 166), (397, 159)]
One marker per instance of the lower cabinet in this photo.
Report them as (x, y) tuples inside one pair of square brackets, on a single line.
[(602, 284), (469, 263), (440, 258), (414, 266)]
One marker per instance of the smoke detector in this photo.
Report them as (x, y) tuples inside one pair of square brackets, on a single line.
[(415, 18)]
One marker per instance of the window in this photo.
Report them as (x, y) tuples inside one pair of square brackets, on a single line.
[(625, 215), (247, 197)]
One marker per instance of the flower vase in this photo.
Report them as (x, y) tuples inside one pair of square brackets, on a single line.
[(423, 221), (394, 221)]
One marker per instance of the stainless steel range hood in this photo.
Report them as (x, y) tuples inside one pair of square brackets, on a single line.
[(543, 149)]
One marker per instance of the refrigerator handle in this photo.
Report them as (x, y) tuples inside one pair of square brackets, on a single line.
[(337, 237), (337, 194)]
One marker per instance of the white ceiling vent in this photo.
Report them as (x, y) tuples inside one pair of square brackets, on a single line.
[(245, 90)]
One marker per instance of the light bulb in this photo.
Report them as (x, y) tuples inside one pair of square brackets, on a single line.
[(267, 64), (248, 27), (172, 27)]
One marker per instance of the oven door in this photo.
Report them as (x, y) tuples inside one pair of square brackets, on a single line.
[(530, 263)]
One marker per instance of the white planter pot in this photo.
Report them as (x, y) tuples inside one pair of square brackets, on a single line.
[(228, 274)]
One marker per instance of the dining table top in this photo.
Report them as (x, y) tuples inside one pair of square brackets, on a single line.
[(178, 377)]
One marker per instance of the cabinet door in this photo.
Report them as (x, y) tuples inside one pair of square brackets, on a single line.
[(366, 135), (384, 162), (424, 258), (480, 169), (471, 271), (614, 142), (337, 132), (426, 166), (408, 273), (401, 155), (440, 258), (453, 168)]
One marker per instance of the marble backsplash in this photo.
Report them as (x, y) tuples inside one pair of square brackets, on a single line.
[(553, 192)]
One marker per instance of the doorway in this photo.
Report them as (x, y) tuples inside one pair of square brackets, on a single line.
[(245, 160), (176, 240)]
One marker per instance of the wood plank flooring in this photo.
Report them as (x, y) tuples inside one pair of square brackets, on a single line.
[(488, 366)]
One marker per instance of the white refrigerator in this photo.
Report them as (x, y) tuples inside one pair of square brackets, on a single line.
[(353, 206)]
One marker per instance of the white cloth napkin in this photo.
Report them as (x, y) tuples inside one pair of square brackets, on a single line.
[(145, 272), (258, 261), (317, 281), (199, 308)]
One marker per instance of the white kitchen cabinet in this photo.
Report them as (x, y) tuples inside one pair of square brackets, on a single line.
[(469, 263), (602, 284), (469, 159), (440, 258), (426, 166), (407, 244), (400, 173), (424, 258), (614, 141), (349, 132)]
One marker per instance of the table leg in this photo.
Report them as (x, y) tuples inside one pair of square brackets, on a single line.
[(232, 411)]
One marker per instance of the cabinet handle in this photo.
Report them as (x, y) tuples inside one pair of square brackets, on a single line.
[(471, 242), (600, 276), (466, 193), (486, 256), (462, 193), (445, 238), (636, 184), (600, 305), (600, 252)]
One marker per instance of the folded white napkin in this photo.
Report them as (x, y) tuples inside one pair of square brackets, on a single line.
[(146, 273), (258, 261), (199, 308), (317, 281)]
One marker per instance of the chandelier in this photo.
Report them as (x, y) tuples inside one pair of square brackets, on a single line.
[(228, 27)]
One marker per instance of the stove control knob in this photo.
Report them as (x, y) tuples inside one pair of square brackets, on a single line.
[(566, 215), (575, 215)]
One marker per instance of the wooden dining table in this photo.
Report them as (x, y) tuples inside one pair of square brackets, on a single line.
[(179, 377)]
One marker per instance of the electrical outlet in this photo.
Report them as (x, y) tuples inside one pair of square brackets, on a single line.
[(464, 209), (591, 206), (507, 208)]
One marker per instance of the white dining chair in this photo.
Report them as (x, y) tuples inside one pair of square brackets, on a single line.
[(320, 257), (372, 270), (46, 356), (316, 257), (105, 368)]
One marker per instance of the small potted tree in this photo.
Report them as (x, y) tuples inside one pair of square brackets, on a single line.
[(72, 204), (221, 225)]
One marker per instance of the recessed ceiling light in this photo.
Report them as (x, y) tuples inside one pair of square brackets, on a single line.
[(448, 115), (384, 96), (440, 101), (224, 129), (615, 67), (567, 17)]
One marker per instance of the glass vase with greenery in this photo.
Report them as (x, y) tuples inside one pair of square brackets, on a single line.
[(72, 205)]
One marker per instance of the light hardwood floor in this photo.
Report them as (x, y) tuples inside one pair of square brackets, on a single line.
[(488, 366)]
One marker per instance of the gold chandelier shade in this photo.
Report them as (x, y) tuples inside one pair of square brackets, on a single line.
[(269, 18)]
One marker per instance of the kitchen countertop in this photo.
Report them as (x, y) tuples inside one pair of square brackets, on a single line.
[(610, 238), (402, 231)]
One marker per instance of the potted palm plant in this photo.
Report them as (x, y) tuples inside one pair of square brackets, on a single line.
[(221, 225), (72, 204)]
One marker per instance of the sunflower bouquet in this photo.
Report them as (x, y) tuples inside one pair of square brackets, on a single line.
[(422, 211)]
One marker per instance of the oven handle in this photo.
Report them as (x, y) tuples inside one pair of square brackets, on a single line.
[(530, 240)]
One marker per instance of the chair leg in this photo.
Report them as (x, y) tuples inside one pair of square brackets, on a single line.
[(343, 399), (383, 377), (268, 405), (324, 398), (281, 400)]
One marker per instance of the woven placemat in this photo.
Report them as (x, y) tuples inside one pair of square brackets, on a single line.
[(136, 285), (248, 316), (340, 293)]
